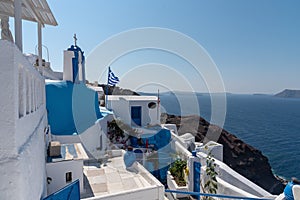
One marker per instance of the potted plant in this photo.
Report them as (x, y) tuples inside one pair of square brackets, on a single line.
[(176, 177)]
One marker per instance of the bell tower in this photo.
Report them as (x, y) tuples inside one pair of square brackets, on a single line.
[(74, 64)]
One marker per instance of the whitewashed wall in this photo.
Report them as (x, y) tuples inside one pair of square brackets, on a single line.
[(154, 113), (122, 109), (178, 146), (57, 172), (49, 74), (149, 116), (68, 67), (94, 139), (22, 121), (232, 183)]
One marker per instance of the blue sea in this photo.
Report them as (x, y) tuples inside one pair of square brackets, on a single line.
[(268, 123)]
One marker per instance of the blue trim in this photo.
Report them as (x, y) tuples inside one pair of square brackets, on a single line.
[(69, 192), (136, 115), (194, 153), (215, 195), (197, 174), (288, 192), (75, 63)]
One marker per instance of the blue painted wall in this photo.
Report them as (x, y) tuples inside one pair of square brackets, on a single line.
[(72, 108)]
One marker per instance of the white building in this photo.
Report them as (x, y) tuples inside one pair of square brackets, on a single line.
[(74, 71), (23, 119), (135, 110), (100, 92), (66, 168)]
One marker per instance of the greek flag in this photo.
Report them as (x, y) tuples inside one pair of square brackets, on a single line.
[(112, 79)]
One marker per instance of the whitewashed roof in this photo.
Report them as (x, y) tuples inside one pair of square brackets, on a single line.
[(131, 98), (32, 10), (73, 151)]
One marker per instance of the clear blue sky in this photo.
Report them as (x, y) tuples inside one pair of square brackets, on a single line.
[(255, 44)]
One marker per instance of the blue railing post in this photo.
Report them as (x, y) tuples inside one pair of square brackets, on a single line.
[(196, 174)]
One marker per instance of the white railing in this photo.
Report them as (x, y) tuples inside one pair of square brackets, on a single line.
[(179, 147), (23, 120), (22, 98), (171, 127), (29, 99), (232, 182), (229, 181), (31, 93)]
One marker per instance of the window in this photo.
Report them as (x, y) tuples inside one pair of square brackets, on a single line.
[(49, 180), (68, 177), (151, 105)]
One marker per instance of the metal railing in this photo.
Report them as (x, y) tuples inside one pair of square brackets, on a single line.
[(222, 196)]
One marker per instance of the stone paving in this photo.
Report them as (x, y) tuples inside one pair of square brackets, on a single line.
[(112, 178)]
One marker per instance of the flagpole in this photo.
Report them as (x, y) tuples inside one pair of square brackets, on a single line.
[(107, 87), (112, 80)]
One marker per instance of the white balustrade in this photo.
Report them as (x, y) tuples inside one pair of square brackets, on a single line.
[(23, 120), (31, 89)]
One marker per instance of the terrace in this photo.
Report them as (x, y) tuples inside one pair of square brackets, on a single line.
[(111, 180)]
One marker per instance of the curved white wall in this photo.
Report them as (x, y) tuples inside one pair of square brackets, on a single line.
[(94, 139), (22, 122)]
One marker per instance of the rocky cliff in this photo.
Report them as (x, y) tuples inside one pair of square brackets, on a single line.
[(115, 90), (288, 94), (240, 156)]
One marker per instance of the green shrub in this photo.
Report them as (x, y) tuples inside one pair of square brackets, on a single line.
[(177, 170)]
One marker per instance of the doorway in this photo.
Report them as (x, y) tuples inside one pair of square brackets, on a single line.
[(136, 115)]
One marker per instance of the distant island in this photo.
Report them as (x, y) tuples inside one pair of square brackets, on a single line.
[(288, 94), (261, 94)]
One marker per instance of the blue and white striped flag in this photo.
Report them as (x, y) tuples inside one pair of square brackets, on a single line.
[(112, 79)]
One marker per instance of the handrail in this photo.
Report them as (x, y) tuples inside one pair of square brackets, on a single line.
[(45, 48), (215, 195)]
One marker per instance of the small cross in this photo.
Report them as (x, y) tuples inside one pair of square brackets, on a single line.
[(75, 39)]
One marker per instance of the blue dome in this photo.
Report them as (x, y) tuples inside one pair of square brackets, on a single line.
[(72, 108)]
